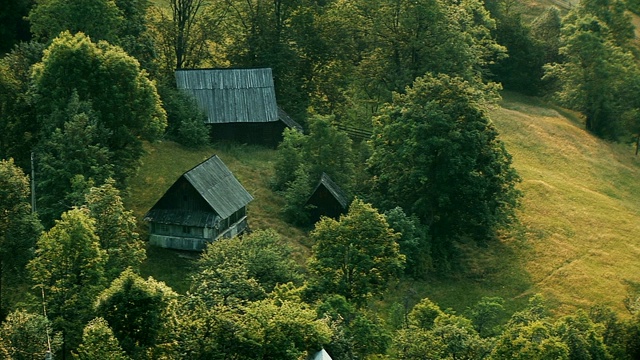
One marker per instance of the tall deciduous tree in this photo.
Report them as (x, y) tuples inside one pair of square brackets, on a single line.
[(411, 38), (125, 101), (116, 229), (19, 229), (26, 336), (98, 19), (69, 269), (137, 311), (598, 77), (69, 153), (98, 342), (355, 256), (437, 155), (234, 271)]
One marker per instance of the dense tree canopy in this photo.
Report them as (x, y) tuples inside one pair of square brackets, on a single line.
[(69, 269), (19, 229), (125, 101), (98, 19), (355, 256), (437, 155), (598, 77)]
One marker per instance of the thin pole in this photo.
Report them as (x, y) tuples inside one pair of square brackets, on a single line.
[(33, 186), (49, 355)]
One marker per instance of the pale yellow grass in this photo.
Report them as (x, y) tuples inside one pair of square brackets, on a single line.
[(581, 209)]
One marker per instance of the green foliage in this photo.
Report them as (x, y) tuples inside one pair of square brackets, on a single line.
[(289, 158), (302, 159), (284, 329), (411, 38), (19, 229), (460, 338), (296, 194), (186, 122), (138, 311), (235, 271), (414, 242), (69, 152), (98, 19), (531, 341), (424, 314), (17, 129), (486, 316), (124, 100), (522, 70), (437, 155), (13, 26), (582, 336), (116, 229), (598, 76), (69, 269), (99, 343), (26, 336), (356, 256)]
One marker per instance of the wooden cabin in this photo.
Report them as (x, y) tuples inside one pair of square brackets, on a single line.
[(327, 199), (240, 104), (206, 203)]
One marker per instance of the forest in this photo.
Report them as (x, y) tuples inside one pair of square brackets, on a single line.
[(88, 86)]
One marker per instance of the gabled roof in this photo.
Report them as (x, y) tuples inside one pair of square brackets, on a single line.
[(321, 355), (217, 185), (231, 95), (333, 188)]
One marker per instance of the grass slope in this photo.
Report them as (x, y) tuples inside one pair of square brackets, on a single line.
[(577, 243), (581, 206)]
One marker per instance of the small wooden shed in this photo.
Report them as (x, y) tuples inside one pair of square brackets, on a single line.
[(240, 103), (320, 355), (206, 203), (327, 199)]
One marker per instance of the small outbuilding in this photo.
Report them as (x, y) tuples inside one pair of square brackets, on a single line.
[(240, 104), (320, 355), (327, 199), (206, 203)]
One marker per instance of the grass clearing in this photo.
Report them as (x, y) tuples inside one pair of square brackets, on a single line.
[(576, 243), (166, 161)]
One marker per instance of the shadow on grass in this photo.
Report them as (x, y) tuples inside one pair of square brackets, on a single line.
[(173, 267)]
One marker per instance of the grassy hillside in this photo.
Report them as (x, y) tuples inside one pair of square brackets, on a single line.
[(581, 206), (578, 242)]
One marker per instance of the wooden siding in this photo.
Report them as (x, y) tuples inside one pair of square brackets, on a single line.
[(195, 243), (231, 95)]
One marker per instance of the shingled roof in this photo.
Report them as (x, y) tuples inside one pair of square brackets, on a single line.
[(231, 95), (217, 185), (333, 189)]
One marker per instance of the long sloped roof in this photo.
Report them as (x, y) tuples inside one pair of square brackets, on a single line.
[(217, 185), (231, 95)]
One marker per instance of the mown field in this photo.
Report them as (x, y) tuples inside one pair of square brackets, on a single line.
[(577, 242)]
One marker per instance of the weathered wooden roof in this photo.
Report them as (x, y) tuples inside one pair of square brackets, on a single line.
[(231, 95), (333, 188), (217, 185)]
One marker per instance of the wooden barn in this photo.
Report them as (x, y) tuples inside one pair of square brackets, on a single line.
[(327, 199), (206, 203), (240, 103)]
